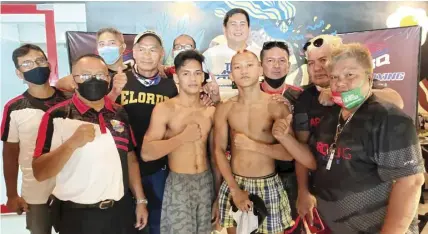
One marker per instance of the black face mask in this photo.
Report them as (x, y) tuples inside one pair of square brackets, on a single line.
[(93, 89), (275, 83), (38, 75)]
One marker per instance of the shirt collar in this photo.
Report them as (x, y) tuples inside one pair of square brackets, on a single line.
[(83, 108)]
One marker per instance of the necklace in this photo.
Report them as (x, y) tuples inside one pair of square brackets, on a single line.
[(339, 129)]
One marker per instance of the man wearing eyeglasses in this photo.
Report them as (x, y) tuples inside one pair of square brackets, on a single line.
[(87, 144), (236, 28), (181, 43), (21, 119), (210, 94)]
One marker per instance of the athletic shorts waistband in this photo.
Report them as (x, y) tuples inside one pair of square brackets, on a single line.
[(257, 178), (208, 171)]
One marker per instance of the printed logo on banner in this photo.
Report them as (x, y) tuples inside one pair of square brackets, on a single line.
[(380, 54), (223, 78), (226, 72), (392, 76), (381, 57)]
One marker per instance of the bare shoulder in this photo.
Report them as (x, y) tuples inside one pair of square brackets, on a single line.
[(223, 108), (164, 108)]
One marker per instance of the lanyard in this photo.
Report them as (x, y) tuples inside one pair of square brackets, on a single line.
[(339, 129)]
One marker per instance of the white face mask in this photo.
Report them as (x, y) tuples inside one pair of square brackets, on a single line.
[(176, 52)]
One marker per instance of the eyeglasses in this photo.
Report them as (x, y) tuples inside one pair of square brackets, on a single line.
[(29, 64), (270, 44), (85, 77), (317, 43), (182, 47)]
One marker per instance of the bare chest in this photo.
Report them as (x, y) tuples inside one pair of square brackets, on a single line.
[(254, 121), (183, 116)]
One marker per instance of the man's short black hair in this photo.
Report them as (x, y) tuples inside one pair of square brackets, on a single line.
[(272, 44), (24, 50), (185, 35), (183, 56), (95, 56), (234, 11)]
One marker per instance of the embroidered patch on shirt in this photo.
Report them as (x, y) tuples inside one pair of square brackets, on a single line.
[(117, 125)]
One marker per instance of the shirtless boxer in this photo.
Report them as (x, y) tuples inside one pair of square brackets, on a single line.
[(250, 117), (181, 128)]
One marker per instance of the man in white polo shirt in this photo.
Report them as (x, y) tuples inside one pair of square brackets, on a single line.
[(87, 143), (236, 29), (21, 119)]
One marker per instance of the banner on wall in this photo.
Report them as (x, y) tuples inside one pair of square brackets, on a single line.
[(396, 58), (80, 43), (395, 53)]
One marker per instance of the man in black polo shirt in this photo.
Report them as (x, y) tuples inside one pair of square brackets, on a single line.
[(369, 163), (87, 143), (314, 102)]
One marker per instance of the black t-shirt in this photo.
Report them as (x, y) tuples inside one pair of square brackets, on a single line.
[(378, 145), (139, 102), (308, 111), (291, 93)]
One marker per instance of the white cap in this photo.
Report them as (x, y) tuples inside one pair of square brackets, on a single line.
[(148, 33)]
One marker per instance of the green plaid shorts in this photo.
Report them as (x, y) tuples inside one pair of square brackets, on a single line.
[(271, 191)]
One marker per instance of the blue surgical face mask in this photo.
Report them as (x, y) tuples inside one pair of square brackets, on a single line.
[(110, 54)]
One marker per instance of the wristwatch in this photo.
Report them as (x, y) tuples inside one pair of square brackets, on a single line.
[(141, 201)]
